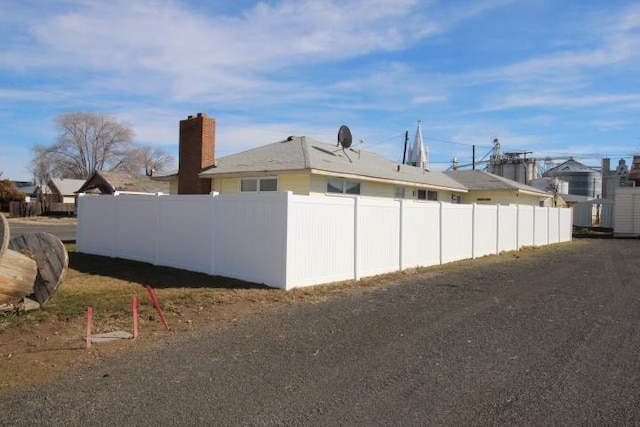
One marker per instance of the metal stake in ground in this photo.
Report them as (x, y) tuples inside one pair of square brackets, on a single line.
[(89, 320), (152, 295), (134, 306)]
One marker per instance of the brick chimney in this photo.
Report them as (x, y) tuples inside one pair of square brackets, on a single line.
[(196, 152)]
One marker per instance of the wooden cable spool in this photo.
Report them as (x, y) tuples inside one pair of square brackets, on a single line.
[(51, 259), (17, 271)]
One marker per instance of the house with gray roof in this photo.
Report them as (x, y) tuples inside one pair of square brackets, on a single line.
[(305, 166), (63, 190)]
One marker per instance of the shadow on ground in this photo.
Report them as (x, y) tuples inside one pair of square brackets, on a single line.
[(157, 276), (592, 233)]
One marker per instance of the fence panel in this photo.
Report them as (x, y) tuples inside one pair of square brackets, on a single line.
[(457, 232), (540, 226), (378, 240), (507, 228), (251, 237), (553, 225), (485, 230), (97, 226), (420, 234), (137, 234), (185, 232), (320, 244), (566, 225), (525, 226)]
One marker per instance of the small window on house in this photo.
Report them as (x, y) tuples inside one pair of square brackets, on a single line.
[(399, 192), (456, 199), (335, 185), (269, 184), (342, 186), (258, 184), (432, 195), (249, 184), (422, 195), (352, 187)]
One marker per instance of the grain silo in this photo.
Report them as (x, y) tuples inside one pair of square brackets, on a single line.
[(583, 180)]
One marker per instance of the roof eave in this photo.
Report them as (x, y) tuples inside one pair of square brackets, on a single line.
[(388, 181)]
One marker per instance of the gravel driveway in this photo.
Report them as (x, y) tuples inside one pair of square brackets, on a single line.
[(551, 337)]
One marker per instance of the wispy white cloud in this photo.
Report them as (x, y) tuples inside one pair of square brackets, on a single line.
[(528, 100)]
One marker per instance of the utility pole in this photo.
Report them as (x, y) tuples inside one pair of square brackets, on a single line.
[(474, 157), (404, 153)]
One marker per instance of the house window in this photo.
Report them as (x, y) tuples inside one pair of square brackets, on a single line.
[(342, 186), (455, 198), (258, 184), (269, 184), (427, 195), (399, 192)]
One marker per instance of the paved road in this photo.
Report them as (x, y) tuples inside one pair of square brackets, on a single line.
[(550, 338), (63, 231)]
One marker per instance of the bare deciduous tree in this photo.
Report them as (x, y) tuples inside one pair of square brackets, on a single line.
[(41, 167), (89, 142), (147, 159)]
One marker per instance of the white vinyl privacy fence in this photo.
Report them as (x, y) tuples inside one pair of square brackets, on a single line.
[(286, 241)]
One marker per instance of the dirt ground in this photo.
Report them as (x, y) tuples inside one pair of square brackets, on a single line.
[(39, 351)]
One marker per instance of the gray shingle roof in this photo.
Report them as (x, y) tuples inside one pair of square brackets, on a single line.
[(300, 153), (476, 180), (65, 186)]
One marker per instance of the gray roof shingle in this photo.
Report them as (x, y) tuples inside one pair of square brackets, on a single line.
[(477, 180), (303, 153), (65, 186)]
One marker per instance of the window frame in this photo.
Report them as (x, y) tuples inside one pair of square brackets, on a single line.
[(258, 184), (344, 187)]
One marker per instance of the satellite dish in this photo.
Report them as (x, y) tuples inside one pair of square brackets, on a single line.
[(344, 137)]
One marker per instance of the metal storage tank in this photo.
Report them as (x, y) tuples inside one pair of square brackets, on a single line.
[(582, 180)]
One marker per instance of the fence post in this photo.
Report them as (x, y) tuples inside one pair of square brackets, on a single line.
[(474, 218), (548, 225), (401, 236), (497, 229), (156, 258), (356, 225), (79, 242), (286, 273), (114, 249), (517, 227), (441, 225), (214, 230)]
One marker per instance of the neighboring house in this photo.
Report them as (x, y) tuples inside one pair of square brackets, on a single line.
[(298, 164), (305, 166), (489, 189), (102, 182), (63, 189), (28, 188)]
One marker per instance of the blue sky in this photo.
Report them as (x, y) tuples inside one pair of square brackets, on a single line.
[(557, 78)]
